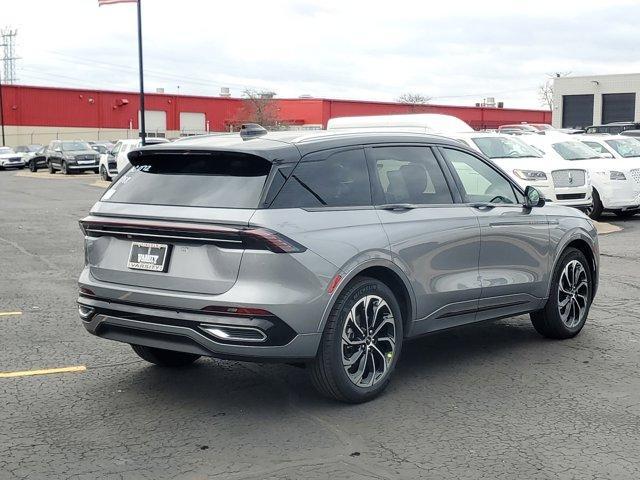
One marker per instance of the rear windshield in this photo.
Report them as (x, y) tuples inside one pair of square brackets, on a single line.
[(211, 179)]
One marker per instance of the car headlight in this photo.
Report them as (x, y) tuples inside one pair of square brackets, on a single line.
[(66, 156), (615, 175), (532, 175)]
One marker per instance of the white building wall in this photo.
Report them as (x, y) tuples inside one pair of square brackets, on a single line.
[(595, 85)]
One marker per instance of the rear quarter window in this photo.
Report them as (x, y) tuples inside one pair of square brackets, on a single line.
[(327, 179)]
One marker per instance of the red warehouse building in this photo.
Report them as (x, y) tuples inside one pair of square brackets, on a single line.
[(39, 114)]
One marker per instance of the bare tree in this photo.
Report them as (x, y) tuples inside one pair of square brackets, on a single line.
[(413, 98), (545, 91), (260, 107), (545, 94)]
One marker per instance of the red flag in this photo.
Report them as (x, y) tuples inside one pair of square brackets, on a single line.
[(111, 2)]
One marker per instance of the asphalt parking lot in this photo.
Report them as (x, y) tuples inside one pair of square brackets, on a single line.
[(488, 401)]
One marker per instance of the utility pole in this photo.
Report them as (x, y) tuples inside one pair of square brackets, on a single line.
[(8, 66), (9, 55)]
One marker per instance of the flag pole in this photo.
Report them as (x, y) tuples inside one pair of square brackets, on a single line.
[(143, 131)]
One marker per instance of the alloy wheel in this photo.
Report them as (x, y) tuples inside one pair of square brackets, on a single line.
[(368, 341), (573, 293)]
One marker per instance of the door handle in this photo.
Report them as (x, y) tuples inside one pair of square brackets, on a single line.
[(396, 206), (483, 206)]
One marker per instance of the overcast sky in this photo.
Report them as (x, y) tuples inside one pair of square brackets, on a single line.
[(456, 52)]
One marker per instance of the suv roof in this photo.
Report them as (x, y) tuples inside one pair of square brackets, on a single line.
[(281, 145)]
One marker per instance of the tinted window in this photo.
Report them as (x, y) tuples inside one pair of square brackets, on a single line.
[(480, 182), (220, 179), (410, 175), (328, 179)]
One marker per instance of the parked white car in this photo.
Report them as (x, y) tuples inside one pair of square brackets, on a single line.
[(616, 181), (558, 180), (10, 159), (116, 160)]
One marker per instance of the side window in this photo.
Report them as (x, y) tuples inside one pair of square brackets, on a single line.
[(481, 183), (410, 175), (116, 149), (328, 179)]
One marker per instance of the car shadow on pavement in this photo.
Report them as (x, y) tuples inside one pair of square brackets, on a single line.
[(478, 349)]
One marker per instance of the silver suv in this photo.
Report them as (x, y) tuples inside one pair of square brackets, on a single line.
[(328, 249)]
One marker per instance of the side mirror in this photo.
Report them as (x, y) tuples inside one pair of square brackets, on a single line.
[(533, 197), (607, 155)]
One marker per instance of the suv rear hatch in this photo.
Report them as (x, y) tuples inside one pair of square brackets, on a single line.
[(179, 220)]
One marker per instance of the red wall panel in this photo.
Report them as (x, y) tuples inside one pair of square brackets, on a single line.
[(45, 106)]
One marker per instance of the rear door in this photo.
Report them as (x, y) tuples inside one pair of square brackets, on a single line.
[(325, 204), (514, 256), (435, 240)]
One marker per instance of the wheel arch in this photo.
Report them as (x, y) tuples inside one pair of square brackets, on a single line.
[(386, 272), (586, 245)]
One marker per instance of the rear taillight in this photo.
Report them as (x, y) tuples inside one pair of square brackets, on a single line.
[(226, 236), (259, 237)]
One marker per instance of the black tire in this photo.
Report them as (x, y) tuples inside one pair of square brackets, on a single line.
[(625, 213), (33, 167), (51, 169), (95, 170), (327, 371), (64, 169), (104, 175), (595, 212), (548, 321), (164, 358)]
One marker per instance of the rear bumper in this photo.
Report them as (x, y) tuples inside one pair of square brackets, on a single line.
[(182, 331)]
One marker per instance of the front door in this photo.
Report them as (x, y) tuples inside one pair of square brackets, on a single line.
[(515, 249), (433, 239)]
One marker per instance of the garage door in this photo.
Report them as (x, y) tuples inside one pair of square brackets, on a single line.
[(192, 123), (618, 107), (577, 111), (155, 122)]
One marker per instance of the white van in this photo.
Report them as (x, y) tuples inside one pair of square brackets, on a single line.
[(415, 122)]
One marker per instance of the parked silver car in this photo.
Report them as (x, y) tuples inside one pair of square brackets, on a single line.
[(329, 249)]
